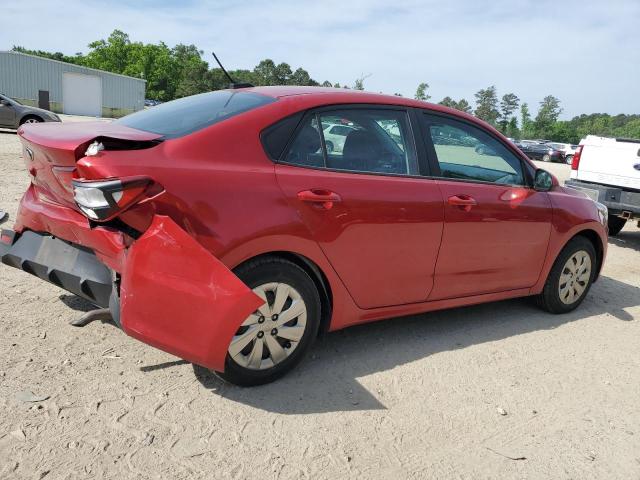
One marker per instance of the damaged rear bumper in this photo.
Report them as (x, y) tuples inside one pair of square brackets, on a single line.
[(64, 264), (172, 294)]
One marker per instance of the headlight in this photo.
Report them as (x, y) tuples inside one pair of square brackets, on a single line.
[(603, 213)]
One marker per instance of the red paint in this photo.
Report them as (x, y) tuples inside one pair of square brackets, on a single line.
[(492, 247), (387, 245), (177, 297)]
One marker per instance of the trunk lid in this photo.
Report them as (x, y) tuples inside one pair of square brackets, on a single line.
[(51, 150), (609, 161)]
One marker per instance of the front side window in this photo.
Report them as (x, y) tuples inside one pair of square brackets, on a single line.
[(465, 152), (356, 140)]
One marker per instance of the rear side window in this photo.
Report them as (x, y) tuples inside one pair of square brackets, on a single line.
[(275, 137), (355, 140), (186, 115)]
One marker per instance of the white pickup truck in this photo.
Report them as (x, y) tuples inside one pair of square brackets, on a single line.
[(608, 170)]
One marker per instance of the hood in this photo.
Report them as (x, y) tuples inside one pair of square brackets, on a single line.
[(41, 111)]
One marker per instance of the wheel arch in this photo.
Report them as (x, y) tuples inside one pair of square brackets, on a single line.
[(595, 239), (28, 116), (592, 231), (317, 275)]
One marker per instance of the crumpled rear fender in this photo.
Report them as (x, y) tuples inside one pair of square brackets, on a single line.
[(179, 298)]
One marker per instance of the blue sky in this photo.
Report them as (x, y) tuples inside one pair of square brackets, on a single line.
[(587, 53)]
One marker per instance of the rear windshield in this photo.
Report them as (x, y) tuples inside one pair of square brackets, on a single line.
[(186, 115)]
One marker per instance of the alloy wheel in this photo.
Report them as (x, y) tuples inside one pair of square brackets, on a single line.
[(271, 333), (31, 120), (574, 277)]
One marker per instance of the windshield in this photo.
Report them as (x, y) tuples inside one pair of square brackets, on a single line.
[(11, 100), (186, 115)]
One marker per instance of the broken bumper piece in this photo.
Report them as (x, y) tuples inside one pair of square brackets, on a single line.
[(173, 294), (64, 264)]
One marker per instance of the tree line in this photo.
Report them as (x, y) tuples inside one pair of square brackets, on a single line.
[(179, 71), (514, 119)]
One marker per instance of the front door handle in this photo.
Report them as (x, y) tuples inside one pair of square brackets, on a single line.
[(464, 202), (322, 197)]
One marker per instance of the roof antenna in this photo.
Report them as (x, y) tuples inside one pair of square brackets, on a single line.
[(232, 83)]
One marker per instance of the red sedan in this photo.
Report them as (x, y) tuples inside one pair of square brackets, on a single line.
[(220, 227)]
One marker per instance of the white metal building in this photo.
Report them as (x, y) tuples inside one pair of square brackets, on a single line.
[(66, 88)]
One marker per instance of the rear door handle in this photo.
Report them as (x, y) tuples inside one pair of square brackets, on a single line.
[(464, 202), (322, 197)]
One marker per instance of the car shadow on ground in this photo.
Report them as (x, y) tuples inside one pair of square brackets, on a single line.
[(76, 303), (328, 380), (627, 239)]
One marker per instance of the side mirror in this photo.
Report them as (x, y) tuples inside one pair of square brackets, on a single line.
[(543, 181), (5, 103)]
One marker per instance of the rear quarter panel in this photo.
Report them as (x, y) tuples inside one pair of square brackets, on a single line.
[(220, 187)]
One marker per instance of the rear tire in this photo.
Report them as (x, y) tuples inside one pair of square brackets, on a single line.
[(569, 159), (274, 348), (330, 146), (570, 277), (616, 224), (546, 157)]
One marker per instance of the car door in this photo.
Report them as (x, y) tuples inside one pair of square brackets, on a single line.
[(7, 114), (376, 219), (497, 227)]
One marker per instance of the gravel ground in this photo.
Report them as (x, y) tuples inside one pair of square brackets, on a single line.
[(501, 390)]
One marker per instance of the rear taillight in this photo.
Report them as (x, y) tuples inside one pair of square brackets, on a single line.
[(575, 161), (104, 199)]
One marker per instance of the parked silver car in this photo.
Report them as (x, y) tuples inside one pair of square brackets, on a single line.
[(13, 114)]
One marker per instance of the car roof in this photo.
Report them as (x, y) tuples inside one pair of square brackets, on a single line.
[(331, 95), (345, 95)]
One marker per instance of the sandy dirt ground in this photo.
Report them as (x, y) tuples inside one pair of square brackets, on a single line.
[(500, 390)]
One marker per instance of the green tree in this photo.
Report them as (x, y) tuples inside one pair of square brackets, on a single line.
[(487, 105), (512, 130), (448, 102), (266, 72), (564, 132), (302, 77), (61, 57), (112, 54), (526, 125), (547, 116), (508, 105), (190, 71), (359, 83), (421, 92), (463, 106)]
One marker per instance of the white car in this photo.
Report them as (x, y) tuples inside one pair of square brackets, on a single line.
[(335, 135), (566, 148), (608, 171)]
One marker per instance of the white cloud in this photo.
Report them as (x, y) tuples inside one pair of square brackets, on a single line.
[(587, 55)]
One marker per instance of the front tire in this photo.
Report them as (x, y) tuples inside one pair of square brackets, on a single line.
[(277, 336), (616, 224), (570, 277), (546, 157), (30, 119), (569, 159)]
